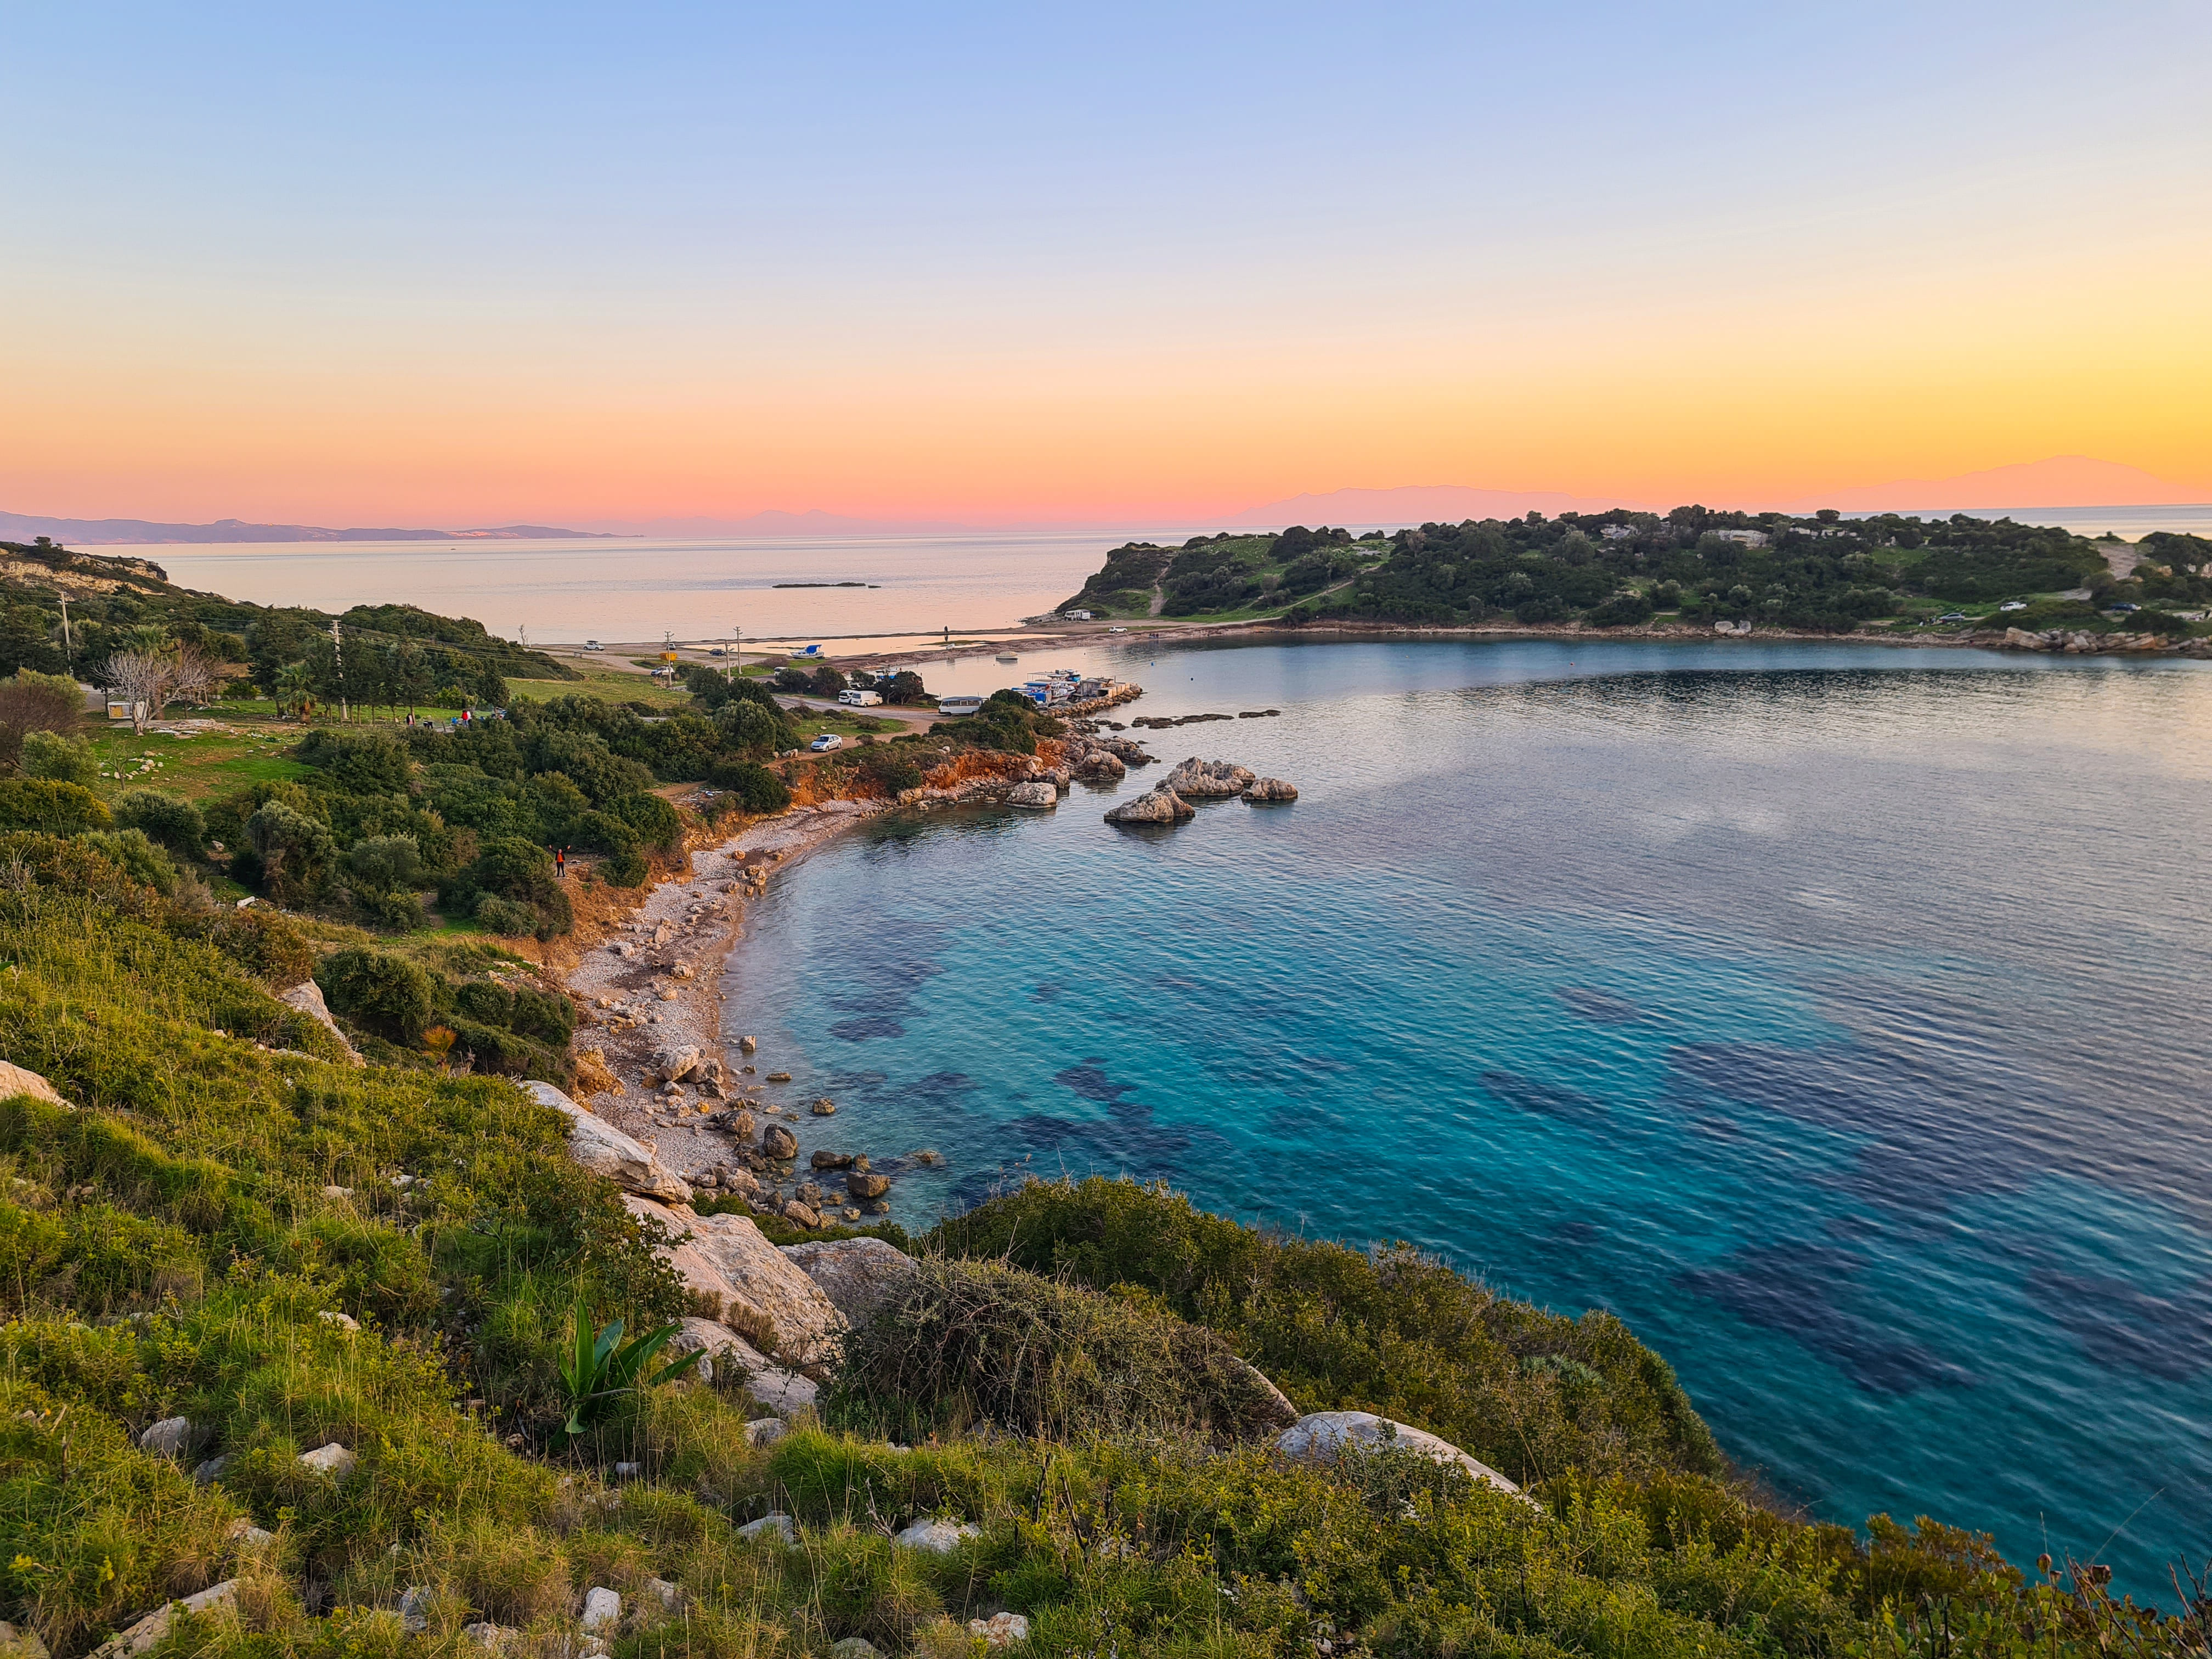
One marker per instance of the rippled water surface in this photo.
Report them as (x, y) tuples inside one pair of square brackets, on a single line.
[(1834, 1015)]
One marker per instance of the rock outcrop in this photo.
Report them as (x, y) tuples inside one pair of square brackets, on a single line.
[(1203, 779), (306, 997), (1270, 789), (1159, 805), (16, 1080), (1326, 1435), (726, 1265), (606, 1151), (1101, 765), (860, 1276), (1040, 796), (154, 1626)]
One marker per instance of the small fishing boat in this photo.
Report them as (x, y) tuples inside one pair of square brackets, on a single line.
[(1008, 656)]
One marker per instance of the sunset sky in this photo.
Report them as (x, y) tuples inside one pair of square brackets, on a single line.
[(467, 265)]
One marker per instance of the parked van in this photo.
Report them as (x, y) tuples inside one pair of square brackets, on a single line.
[(956, 706), (857, 698)]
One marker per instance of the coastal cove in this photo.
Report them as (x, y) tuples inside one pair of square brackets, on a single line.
[(1820, 1010)]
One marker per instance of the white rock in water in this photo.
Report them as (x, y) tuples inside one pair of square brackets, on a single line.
[(1038, 797), (1156, 806), (1325, 1435), (1000, 1630), (1209, 778), (168, 1438), (602, 1609), (777, 1526), (938, 1537), (606, 1151), (332, 1460)]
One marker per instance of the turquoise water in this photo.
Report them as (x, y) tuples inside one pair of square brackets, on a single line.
[(1832, 1014)]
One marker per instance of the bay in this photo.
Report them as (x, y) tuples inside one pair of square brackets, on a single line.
[(1828, 1012)]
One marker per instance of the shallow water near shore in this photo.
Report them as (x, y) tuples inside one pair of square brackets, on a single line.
[(1830, 1013)]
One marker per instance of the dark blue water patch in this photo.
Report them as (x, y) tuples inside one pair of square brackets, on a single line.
[(1551, 1100), (1089, 1079), (2116, 1324), (1600, 1008), (1803, 1290), (866, 1026), (1050, 991)]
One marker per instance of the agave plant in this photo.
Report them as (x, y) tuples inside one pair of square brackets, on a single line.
[(599, 1367)]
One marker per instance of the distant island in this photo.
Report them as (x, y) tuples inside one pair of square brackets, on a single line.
[(1694, 566), (109, 532)]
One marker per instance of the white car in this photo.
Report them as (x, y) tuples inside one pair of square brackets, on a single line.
[(2013, 605), (826, 742)]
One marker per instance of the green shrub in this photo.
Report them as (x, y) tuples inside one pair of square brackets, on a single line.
[(292, 853), (49, 808), (1392, 1331), (974, 1342), (656, 823), (384, 864), (627, 869), (129, 851), (758, 790), (176, 823), (60, 759), (389, 995), (505, 915)]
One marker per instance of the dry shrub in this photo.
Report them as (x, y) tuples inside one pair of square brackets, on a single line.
[(976, 1342)]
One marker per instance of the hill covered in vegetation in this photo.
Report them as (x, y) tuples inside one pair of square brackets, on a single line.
[(390, 655), (1821, 573)]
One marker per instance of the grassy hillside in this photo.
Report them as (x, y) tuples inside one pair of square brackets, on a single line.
[(392, 654)]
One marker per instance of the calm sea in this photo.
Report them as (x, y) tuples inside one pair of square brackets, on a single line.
[(1833, 1014), (635, 589)]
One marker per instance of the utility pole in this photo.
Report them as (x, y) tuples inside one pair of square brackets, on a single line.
[(337, 662)]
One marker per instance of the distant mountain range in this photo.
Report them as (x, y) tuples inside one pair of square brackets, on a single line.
[(98, 532), (2060, 481)]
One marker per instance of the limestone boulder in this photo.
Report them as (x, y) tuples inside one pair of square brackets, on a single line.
[(1101, 766), (724, 1259), (860, 1276), (775, 1385), (16, 1080), (1270, 789), (1039, 796), (154, 1628), (1159, 805), (606, 1151), (937, 1537), (778, 1143), (1324, 1436), (306, 997), (1196, 779)]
